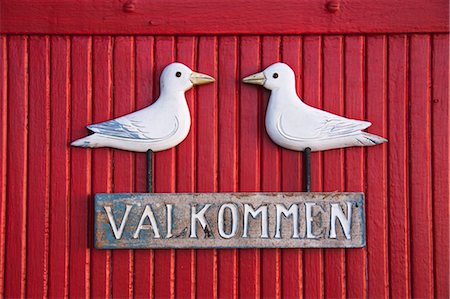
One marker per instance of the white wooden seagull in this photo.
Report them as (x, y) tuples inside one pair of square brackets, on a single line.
[(160, 126), (292, 124)]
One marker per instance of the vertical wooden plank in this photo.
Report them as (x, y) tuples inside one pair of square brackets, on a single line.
[(3, 153), (249, 153), (101, 158), (440, 166), (356, 259), (376, 168), (291, 167), (420, 165), (80, 172), (144, 81), (398, 167), (38, 167), (123, 171), (207, 158), (270, 174), (60, 167), (291, 178), (16, 207), (185, 258), (164, 179), (312, 90), (143, 259), (228, 83), (334, 160)]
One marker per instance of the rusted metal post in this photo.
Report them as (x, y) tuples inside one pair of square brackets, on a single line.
[(149, 171), (307, 167)]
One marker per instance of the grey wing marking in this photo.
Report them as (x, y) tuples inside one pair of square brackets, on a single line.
[(342, 126), (331, 126), (116, 129), (133, 130)]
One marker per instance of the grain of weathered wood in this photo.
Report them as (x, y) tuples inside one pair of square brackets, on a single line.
[(185, 173), (17, 167), (249, 162), (355, 263), (334, 177), (312, 94), (376, 169), (207, 159), (440, 166), (144, 86), (123, 171), (291, 283), (80, 168), (39, 169), (420, 170), (102, 159), (164, 178), (221, 17), (60, 167), (3, 159), (270, 174), (399, 278), (228, 128)]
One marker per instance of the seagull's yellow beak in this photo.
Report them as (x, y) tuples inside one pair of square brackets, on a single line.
[(200, 79), (258, 79)]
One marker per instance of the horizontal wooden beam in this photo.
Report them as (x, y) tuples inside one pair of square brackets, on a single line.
[(222, 17)]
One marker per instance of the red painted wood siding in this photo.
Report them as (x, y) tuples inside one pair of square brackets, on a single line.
[(51, 87)]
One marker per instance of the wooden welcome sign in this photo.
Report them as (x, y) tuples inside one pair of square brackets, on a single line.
[(229, 220)]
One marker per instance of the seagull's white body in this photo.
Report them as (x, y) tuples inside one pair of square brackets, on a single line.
[(157, 127), (293, 124), (160, 126)]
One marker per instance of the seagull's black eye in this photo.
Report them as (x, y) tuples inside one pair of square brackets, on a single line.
[(275, 75), (178, 74)]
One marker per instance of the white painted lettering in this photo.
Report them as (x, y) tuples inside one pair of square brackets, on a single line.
[(112, 222), (309, 220), (200, 217), (293, 211), (169, 208), (249, 211), (221, 220), (346, 222), (148, 213)]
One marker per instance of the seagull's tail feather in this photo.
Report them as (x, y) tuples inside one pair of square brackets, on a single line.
[(367, 139), (88, 141)]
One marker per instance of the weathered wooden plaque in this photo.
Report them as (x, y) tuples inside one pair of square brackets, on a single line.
[(229, 220)]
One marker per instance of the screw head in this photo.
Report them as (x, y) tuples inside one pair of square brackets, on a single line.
[(129, 7), (333, 6)]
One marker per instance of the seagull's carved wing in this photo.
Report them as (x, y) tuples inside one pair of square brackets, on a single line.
[(317, 124), (116, 129), (140, 125)]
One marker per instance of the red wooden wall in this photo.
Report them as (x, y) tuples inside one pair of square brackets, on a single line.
[(53, 83)]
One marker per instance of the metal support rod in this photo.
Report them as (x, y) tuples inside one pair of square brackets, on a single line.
[(307, 167), (149, 171)]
